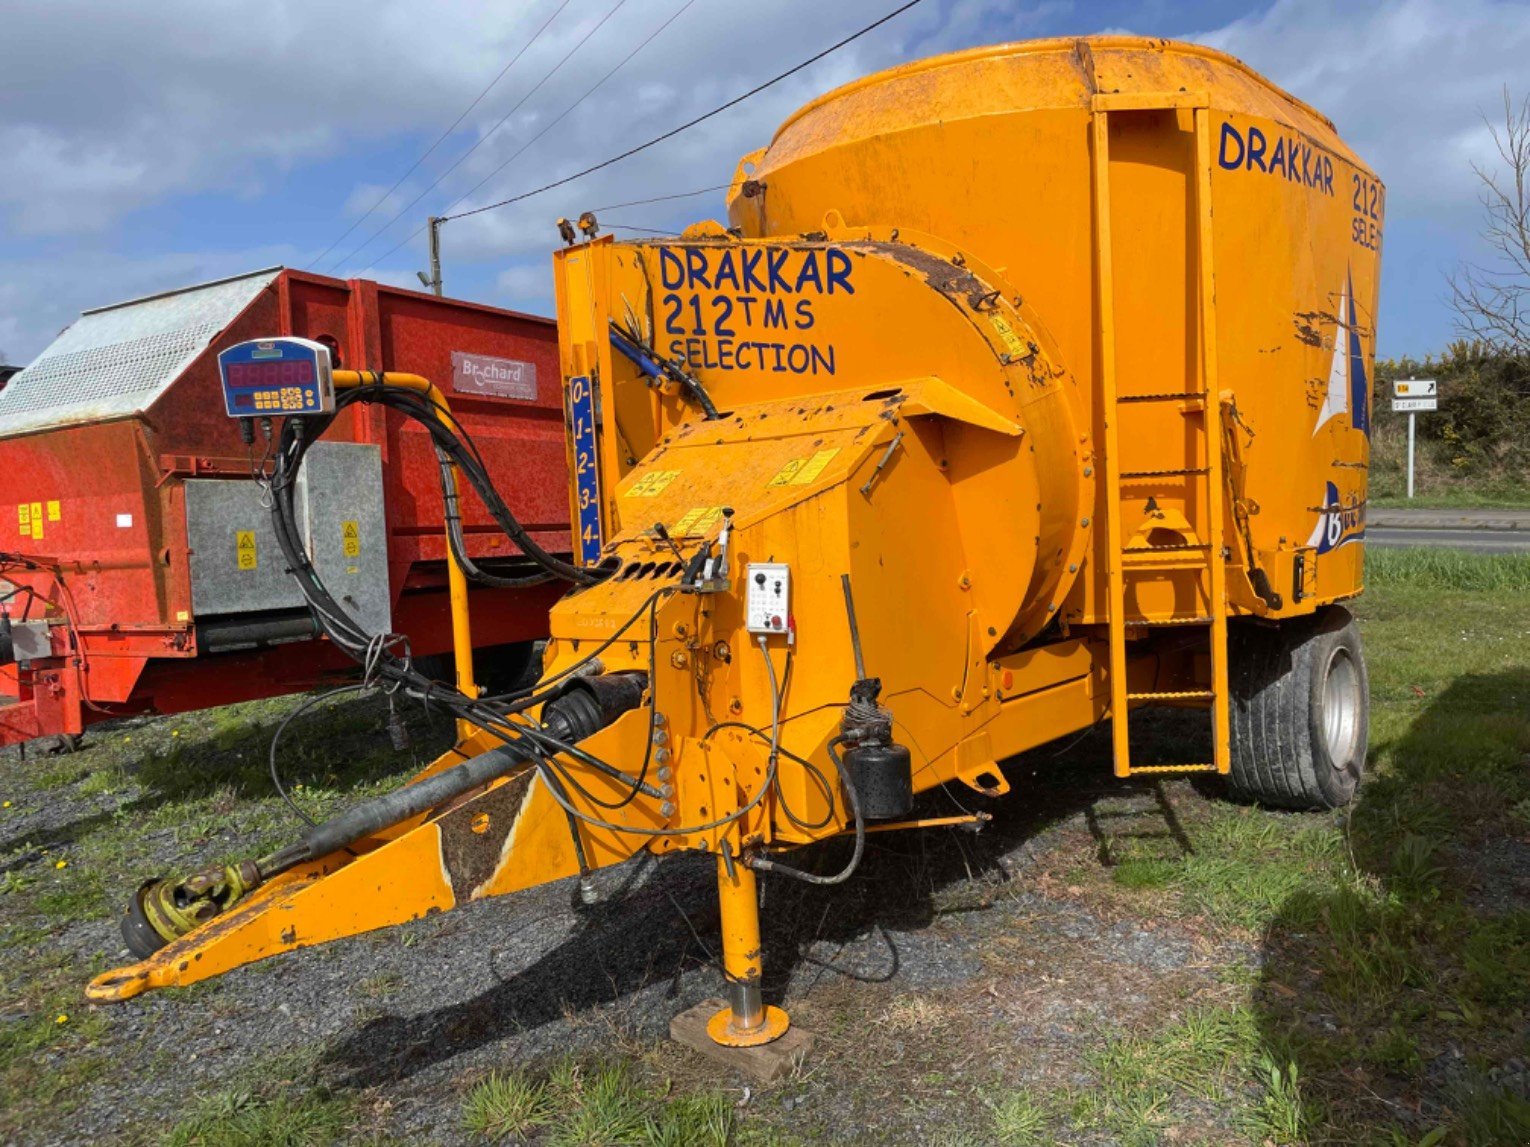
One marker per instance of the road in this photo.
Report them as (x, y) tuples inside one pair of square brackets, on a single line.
[(1478, 531)]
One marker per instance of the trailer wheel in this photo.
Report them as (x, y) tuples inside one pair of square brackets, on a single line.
[(1300, 712)]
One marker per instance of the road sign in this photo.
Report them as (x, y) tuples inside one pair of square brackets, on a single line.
[(1411, 396)]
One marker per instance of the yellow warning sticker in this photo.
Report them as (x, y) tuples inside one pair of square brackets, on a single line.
[(1013, 342), (652, 484), (24, 519), (37, 520), (801, 471), (697, 520), (54, 512), (244, 549), (350, 535)]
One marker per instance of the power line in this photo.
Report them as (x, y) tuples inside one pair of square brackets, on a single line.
[(625, 59), (551, 123), (661, 198), (690, 123), (413, 167), (483, 138)]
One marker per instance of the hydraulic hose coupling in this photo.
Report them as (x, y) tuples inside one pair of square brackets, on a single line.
[(163, 910)]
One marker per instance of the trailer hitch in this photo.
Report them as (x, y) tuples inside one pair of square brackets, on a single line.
[(165, 909)]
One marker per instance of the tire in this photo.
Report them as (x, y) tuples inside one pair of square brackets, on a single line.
[(1300, 710)]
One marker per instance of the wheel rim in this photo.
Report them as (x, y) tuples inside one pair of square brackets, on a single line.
[(1341, 707)]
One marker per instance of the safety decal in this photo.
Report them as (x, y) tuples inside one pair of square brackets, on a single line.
[(801, 471), (697, 520), (350, 538), (1013, 343), (244, 549), (652, 484), (55, 512), (29, 518), (24, 519)]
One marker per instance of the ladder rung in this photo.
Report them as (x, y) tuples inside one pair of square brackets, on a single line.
[(1179, 695), (1143, 624), (1159, 565), (1133, 475), (1207, 768), (1178, 548), (1195, 401)]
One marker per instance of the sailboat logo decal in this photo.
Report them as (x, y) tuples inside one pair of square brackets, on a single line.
[(1349, 390)]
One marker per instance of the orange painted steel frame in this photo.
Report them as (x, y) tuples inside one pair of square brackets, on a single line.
[(124, 629), (896, 409)]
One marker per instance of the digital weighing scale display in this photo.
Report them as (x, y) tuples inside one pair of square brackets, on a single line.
[(266, 378)]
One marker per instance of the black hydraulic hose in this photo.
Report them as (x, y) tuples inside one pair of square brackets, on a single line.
[(852, 798), (458, 542)]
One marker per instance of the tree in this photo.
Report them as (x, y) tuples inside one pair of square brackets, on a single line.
[(1492, 302)]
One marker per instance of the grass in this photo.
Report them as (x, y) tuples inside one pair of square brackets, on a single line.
[(1489, 496), (582, 1104), (1388, 997), (1428, 568), (240, 1118), (1396, 967)]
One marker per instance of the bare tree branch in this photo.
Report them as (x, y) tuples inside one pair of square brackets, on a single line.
[(1492, 302)]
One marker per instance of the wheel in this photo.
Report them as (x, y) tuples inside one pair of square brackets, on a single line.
[(1300, 712)]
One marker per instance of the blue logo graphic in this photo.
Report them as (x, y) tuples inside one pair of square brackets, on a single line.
[(1339, 523)]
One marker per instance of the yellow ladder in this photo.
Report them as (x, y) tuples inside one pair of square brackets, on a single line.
[(1202, 409)]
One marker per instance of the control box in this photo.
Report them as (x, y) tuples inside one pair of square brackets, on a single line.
[(768, 597), (266, 378)]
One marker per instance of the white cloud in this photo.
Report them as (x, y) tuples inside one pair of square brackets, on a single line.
[(112, 108)]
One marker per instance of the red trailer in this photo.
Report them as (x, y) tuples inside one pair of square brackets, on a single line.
[(137, 570)]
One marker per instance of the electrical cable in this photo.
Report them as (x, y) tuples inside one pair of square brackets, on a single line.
[(852, 798), (661, 198), (813, 770), (501, 123), (426, 154), (446, 214), (591, 91), (276, 776), (658, 139)]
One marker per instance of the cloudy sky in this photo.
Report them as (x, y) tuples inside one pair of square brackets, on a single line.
[(154, 144)]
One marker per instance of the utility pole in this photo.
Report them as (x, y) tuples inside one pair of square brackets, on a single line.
[(433, 280)]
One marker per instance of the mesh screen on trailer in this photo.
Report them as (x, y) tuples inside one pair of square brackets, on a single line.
[(116, 361)]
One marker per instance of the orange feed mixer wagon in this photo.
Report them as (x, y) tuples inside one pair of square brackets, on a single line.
[(138, 572), (1025, 388)]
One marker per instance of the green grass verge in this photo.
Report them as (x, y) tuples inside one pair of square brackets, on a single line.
[(1424, 567), (1392, 997)]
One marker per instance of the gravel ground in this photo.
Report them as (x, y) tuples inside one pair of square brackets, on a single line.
[(408, 1016)]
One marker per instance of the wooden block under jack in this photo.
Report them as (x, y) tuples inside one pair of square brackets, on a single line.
[(767, 1063)]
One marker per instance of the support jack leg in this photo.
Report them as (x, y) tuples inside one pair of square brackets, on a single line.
[(747, 1021), (742, 1033)]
